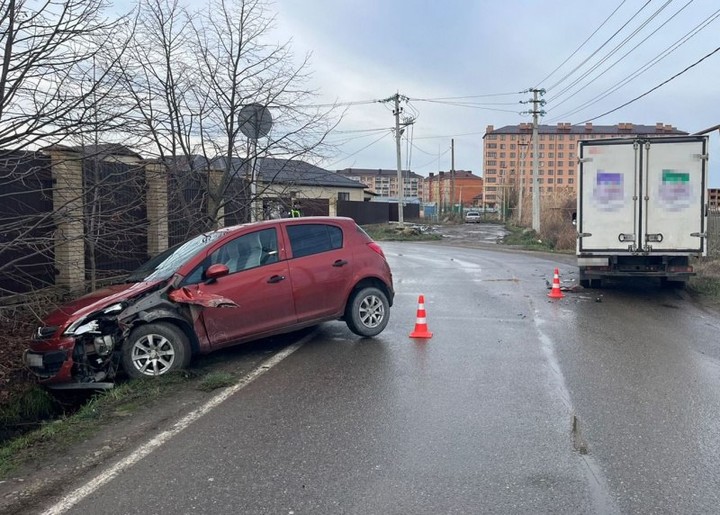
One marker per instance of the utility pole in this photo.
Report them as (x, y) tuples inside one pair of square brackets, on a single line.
[(536, 111), (452, 175), (396, 112), (521, 178), (396, 98)]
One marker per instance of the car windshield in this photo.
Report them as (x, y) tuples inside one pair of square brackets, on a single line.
[(165, 264)]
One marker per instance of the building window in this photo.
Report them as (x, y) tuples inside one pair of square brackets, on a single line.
[(541, 146), (571, 181), (561, 146), (551, 155), (561, 155), (512, 155), (502, 146), (492, 163), (560, 172), (550, 180), (551, 172), (343, 195), (492, 154), (491, 188), (512, 146), (551, 136), (559, 181)]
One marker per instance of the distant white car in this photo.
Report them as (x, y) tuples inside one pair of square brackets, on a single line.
[(472, 217)]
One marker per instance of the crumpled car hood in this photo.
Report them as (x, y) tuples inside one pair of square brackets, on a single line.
[(97, 300)]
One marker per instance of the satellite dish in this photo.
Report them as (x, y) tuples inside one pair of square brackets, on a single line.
[(255, 121)]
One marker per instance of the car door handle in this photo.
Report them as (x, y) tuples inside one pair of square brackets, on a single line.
[(340, 262), (276, 279)]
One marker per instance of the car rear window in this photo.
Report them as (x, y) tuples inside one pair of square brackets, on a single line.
[(308, 239)]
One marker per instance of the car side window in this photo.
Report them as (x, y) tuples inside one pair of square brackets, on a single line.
[(308, 239), (243, 253)]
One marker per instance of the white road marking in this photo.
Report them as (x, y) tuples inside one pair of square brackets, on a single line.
[(73, 498)]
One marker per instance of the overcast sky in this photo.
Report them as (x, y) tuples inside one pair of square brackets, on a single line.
[(492, 50)]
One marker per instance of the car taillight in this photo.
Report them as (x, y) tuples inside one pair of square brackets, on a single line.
[(374, 246)]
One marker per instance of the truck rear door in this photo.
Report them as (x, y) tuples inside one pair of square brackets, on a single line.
[(673, 202), (608, 201), (644, 195)]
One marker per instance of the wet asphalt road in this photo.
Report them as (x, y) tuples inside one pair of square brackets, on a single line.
[(477, 419)]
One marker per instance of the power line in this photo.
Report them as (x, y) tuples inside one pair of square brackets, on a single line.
[(613, 51), (653, 89), (364, 148), (607, 41), (592, 81), (665, 53), (582, 45)]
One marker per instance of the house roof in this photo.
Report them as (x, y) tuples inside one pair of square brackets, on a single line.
[(383, 172), (300, 172), (103, 149), (270, 169), (291, 171), (459, 174)]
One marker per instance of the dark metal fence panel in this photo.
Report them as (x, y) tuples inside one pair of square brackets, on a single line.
[(237, 202), (364, 213), (115, 220), (26, 222), (314, 206), (187, 205), (411, 212)]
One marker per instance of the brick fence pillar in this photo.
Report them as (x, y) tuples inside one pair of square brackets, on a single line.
[(157, 207), (215, 186), (68, 206)]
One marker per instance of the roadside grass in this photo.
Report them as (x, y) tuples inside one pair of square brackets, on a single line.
[(707, 281), (393, 232), (61, 433), (526, 238), (215, 380)]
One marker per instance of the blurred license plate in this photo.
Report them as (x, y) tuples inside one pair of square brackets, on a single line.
[(34, 360)]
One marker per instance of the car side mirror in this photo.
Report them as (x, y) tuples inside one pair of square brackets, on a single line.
[(216, 271)]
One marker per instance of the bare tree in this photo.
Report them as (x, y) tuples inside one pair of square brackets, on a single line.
[(191, 73), (51, 93)]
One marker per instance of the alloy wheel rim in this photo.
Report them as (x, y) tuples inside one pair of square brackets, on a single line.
[(153, 355), (372, 311)]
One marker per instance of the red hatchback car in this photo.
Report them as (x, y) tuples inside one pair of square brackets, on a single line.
[(218, 289)]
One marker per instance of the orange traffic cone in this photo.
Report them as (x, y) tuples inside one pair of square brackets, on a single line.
[(555, 292), (421, 328)]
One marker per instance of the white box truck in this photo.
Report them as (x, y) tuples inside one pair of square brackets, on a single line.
[(641, 208)]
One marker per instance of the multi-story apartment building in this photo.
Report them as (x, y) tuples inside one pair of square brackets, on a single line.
[(385, 182), (452, 188), (714, 199), (508, 154)]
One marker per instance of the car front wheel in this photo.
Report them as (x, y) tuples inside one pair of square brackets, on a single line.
[(155, 349), (368, 312)]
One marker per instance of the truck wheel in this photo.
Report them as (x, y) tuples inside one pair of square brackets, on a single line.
[(367, 313), (155, 349)]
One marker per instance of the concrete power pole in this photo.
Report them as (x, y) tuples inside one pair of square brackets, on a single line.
[(452, 175), (396, 112), (536, 166)]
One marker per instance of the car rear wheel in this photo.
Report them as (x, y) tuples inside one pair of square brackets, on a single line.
[(155, 349), (368, 312)]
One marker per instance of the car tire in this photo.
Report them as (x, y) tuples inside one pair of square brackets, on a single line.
[(368, 312), (155, 349)]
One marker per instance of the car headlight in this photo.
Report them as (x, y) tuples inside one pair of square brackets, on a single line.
[(81, 327)]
